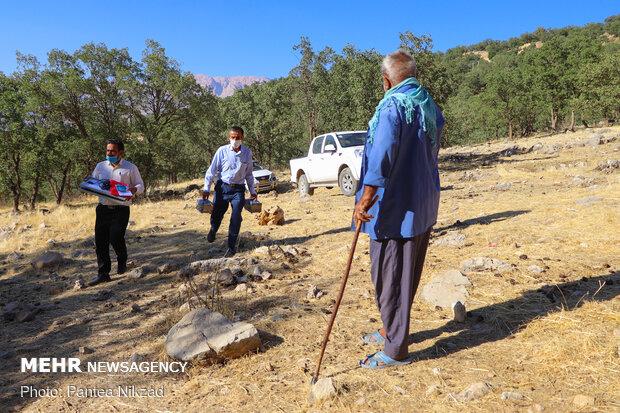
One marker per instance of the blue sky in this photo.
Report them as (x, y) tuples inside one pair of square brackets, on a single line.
[(257, 37)]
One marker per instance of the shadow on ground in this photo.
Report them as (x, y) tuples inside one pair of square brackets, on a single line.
[(503, 320)]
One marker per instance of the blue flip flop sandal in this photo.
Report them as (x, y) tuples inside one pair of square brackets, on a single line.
[(381, 357), (378, 339)]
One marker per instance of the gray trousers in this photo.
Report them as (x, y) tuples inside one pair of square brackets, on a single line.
[(396, 268)]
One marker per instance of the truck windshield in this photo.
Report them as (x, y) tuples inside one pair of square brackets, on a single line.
[(257, 167), (351, 139)]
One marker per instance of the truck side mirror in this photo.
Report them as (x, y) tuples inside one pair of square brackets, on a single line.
[(329, 148)]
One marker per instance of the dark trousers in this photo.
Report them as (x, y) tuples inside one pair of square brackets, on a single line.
[(235, 196), (110, 226), (396, 268)]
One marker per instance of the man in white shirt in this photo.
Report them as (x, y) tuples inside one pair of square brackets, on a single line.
[(231, 168), (112, 216)]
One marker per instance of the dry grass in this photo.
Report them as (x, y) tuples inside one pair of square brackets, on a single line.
[(547, 336)]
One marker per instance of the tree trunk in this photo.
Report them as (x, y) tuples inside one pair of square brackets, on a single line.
[(63, 183), (35, 190), (509, 130), (583, 120), (572, 120), (554, 119), (15, 186)]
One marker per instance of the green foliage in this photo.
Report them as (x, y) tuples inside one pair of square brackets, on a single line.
[(56, 118)]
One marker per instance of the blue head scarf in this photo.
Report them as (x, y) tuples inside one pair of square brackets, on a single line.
[(419, 97)]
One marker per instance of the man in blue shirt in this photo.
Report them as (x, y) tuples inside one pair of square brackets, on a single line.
[(399, 166), (232, 166)]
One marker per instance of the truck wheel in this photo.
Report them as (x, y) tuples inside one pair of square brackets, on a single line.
[(304, 186), (347, 183)]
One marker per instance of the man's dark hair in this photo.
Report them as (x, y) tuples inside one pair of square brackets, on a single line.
[(237, 129), (119, 144)]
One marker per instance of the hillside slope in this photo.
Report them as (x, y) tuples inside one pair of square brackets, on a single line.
[(546, 328)]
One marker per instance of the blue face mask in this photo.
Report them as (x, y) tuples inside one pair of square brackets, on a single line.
[(112, 159)]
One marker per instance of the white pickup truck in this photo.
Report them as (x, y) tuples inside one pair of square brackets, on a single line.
[(334, 158)]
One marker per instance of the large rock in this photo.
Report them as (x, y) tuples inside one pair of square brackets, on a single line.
[(273, 215), (484, 264), (204, 336), (446, 289), (47, 260)]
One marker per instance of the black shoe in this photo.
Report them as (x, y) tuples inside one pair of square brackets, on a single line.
[(211, 236), (230, 252), (122, 269), (101, 278)]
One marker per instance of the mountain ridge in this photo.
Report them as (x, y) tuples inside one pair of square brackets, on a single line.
[(224, 86)]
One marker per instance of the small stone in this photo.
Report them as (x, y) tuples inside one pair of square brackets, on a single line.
[(535, 269), (314, 292), (79, 253), (587, 200), (278, 317), (475, 391), (400, 390), (136, 358), (86, 350), (102, 295), (437, 371), (266, 275), (264, 250), (508, 395), (255, 270), (459, 312), (433, 391), (360, 401), (26, 315), (303, 364), (79, 284), (322, 390), (135, 308), (503, 186), (51, 242), (14, 256), (285, 266), (535, 408), (137, 273), (48, 259), (224, 277), (581, 401), (165, 269), (453, 238), (242, 288), (365, 294), (241, 280)]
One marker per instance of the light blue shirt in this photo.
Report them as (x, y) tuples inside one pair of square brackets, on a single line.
[(402, 161), (231, 167)]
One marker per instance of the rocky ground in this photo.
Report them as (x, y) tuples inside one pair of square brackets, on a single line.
[(527, 239)]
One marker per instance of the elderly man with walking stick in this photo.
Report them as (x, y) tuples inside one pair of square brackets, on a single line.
[(399, 167)]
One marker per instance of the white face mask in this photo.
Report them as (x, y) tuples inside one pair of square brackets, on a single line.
[(235, 143)]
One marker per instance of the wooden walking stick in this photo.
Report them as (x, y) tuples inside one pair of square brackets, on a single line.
[(315, 377)]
